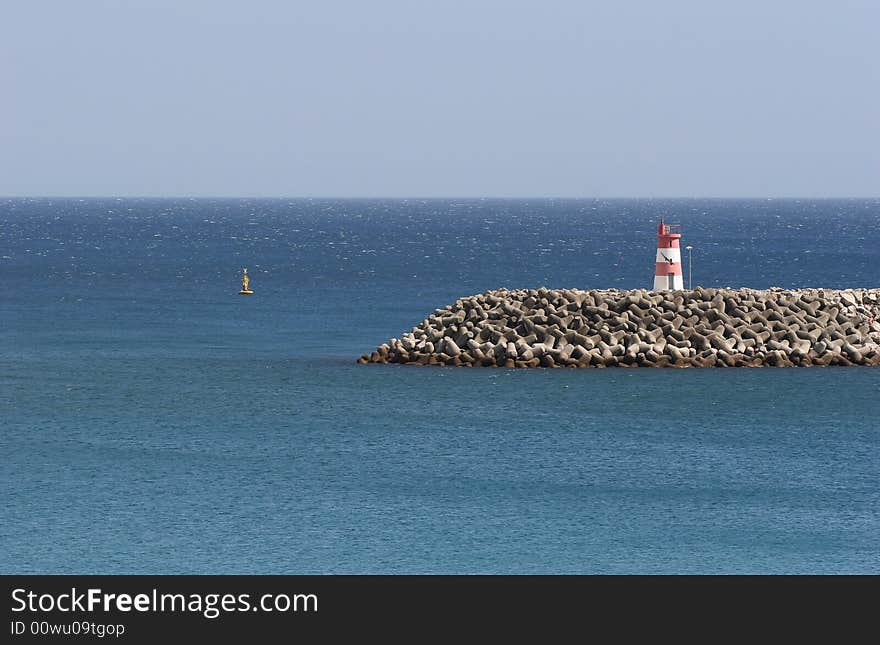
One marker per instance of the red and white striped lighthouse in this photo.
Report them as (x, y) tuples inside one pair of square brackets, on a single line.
[(667, 274)]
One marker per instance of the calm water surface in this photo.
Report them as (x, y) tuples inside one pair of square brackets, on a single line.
[(151, 420)]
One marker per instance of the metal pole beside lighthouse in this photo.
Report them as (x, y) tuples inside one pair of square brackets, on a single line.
[(690, 266), (667, 272)]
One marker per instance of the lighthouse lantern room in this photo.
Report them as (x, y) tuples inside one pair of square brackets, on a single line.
[(667, 273)]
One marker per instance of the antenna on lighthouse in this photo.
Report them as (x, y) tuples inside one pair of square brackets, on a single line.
[(667, 272)]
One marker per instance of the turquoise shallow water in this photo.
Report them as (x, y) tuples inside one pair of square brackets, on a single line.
[(153, 421)]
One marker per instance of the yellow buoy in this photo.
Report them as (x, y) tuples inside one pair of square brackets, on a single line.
[(245, 281)]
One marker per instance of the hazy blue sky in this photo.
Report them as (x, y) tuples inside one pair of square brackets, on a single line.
[(444, 98)]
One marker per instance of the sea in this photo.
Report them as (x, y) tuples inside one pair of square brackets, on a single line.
[(152, 420)]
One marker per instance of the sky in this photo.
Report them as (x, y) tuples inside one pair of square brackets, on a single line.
[(452, 98)]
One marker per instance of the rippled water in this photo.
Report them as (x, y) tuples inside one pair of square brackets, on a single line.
[(151, 420)]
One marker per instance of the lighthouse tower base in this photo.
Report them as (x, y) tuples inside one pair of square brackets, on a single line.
[(670, 282)]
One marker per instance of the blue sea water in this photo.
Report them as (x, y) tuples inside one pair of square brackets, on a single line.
[(153, 421)]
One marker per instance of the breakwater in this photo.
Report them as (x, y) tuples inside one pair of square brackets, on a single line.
[(703, 327)]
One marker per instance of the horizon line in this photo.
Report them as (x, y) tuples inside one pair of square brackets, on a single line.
[(453, 197)]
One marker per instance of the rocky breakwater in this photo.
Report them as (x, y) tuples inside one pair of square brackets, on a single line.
[(611, 328)]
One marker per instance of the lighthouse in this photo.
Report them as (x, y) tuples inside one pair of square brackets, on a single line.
[(667, 274)]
